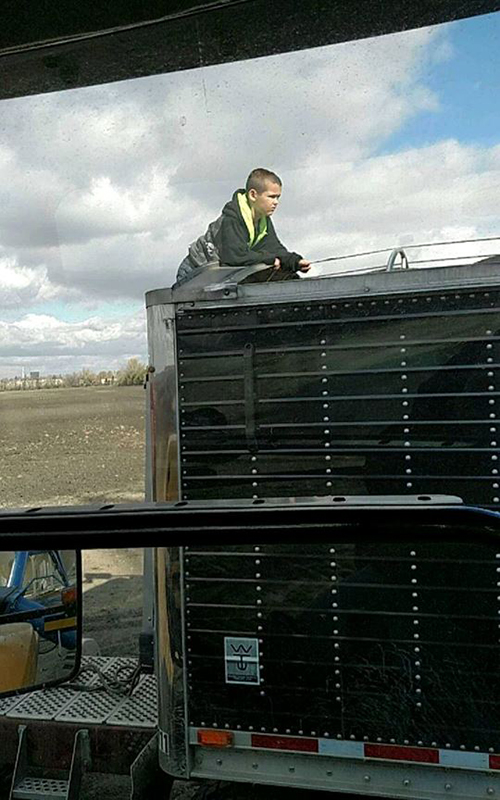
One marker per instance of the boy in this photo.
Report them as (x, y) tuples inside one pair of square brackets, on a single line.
[(244, 234)]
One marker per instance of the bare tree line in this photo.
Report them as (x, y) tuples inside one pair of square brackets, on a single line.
[(134, 372)]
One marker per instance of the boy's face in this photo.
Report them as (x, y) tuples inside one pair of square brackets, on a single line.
[(265, 203)]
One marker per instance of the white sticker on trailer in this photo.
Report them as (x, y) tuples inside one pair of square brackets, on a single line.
[(241, 657)]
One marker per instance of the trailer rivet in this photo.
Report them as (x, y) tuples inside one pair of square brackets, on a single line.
[(367, 778), (255, 766), (490, 790), (406, 782), (447, 787)]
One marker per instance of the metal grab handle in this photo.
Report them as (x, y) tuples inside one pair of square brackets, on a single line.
[(398, 251)]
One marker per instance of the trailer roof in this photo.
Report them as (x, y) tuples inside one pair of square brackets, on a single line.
[(227, 284)]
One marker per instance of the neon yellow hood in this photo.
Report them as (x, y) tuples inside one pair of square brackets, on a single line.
[(246, 212)]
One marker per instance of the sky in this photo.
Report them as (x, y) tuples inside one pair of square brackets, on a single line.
[(379, 142)]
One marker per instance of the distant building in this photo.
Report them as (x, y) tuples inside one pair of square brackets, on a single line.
[(35, 375)]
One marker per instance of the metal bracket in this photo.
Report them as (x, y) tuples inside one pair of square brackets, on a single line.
[(148, 779), (398, 251)]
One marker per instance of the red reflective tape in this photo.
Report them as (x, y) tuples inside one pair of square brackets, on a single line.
[(397, 753), (285, 743), (494, 762)]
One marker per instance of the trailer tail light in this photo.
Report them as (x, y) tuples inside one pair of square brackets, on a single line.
[(285, 743), (426, 755), (69, 596), (212, 738), (494, 762)]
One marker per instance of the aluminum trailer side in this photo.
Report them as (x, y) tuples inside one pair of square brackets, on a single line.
[(354, 666)]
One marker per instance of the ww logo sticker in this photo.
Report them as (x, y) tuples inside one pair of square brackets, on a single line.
[(241, 657)]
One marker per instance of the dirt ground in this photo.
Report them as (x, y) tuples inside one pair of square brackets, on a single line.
[(76, 446)]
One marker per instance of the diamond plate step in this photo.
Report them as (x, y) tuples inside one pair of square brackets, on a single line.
[(27, 786), (141, 708), (36, 788)]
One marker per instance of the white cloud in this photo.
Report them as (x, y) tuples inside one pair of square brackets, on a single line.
[(47, 343), (103, 188)]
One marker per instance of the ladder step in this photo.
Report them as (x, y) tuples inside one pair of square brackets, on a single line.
[(37, 788)]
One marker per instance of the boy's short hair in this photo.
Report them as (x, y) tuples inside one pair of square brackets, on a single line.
[(258, 179)]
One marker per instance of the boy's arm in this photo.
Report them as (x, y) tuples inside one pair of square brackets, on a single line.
[(289, 259)]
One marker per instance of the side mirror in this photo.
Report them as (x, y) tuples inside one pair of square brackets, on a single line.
[(40, 618)]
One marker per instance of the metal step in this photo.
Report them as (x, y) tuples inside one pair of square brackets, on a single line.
[(34, 788), (28, 785)]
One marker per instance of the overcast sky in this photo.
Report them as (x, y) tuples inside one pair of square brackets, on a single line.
[(386, 141)]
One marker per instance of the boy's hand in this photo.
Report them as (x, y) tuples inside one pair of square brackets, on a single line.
[(304, 265)]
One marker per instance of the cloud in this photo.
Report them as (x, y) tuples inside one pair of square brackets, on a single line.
[(46, 343), (103, 188)]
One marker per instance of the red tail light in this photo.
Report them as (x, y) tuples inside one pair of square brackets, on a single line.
[(69, 596)]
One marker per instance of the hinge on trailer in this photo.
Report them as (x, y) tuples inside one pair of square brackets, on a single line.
[(249, 381), (221, 291)]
